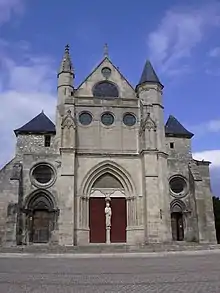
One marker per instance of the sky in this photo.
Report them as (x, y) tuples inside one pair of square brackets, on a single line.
[(181, 40)]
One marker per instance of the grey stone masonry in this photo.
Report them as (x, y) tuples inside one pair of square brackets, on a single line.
[(109, 144)]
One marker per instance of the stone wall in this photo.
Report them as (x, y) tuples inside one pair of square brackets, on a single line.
[(8, 205), (198, 200), (30, 144)]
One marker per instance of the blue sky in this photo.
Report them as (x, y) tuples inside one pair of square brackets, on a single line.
[(182, 42)]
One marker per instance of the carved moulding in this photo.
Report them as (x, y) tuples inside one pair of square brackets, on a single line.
[(108, 193), (68, 121), (68, 125), (147, 123)]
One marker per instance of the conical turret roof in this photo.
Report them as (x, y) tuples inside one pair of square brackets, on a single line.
[(40, 124), (174, 128), (149, 74)]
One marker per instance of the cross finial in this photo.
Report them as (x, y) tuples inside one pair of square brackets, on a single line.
[(106, 50), (67, 48)]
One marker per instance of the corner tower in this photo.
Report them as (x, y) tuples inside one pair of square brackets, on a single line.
[(152, 149), (65, 77), (149, 91), (65, 144), (65, 90)]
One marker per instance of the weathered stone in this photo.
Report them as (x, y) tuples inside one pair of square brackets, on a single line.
[(138, 162)]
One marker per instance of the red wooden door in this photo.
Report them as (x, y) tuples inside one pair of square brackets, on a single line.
[(97, 220), (118, 220)]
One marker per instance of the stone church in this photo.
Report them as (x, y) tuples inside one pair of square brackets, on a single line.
[(109, 170)]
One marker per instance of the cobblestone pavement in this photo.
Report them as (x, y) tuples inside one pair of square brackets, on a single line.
[(173, 273)]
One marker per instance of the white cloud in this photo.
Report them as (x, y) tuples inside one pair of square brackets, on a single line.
[(27, 83), (212, 156), (215, 52), (10, 7), (212, 126), (179, 32), (28, 88)]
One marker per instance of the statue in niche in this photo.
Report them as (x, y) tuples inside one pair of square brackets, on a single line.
[(108, 214)]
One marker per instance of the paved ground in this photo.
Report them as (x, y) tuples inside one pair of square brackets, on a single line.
[(167, 274)]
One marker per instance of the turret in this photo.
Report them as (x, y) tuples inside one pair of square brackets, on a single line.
[(65, 77), (65, 91), (149, 91), (149, 88)]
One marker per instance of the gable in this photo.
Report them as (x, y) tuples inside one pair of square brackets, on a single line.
[(110, 80)]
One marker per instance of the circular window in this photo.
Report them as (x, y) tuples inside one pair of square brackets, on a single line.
[(43, 175), (178, 185), (85, 118), (129, 119), (106, 72), (107, 119)]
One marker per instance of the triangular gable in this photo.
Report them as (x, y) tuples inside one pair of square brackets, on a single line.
[(108, 63)]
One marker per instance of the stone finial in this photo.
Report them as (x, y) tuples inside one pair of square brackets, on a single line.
[(106, 50), (67, 49), (66, 64)]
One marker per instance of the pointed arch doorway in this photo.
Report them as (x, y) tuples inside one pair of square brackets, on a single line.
[(177, 220), (40, 217), (107, 184)]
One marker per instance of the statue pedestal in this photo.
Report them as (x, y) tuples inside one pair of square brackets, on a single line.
[(108, 241)]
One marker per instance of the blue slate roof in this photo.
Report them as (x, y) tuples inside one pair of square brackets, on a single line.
[(40, 124), (174, 128), (149, 74)]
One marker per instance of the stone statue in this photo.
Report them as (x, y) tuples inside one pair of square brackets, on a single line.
[(108, 215)]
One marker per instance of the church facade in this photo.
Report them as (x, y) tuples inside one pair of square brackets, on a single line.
[(108, 171)]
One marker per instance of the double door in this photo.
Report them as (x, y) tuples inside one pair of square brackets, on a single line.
[(97, 220)]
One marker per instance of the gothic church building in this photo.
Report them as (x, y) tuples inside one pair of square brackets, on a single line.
[(109, 147)]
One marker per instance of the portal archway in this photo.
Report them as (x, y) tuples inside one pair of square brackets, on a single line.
[(177, 208), (108, 181), (40, 212), (107, 185)]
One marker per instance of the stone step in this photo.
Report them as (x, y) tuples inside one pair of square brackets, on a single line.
[(112, 248)]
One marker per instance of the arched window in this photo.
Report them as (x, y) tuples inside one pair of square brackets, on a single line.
[(105, 89)]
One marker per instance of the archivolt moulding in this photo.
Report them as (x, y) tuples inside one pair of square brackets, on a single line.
[(112, 168)]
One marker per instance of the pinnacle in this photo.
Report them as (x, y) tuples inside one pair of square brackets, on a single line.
[(66, 64)]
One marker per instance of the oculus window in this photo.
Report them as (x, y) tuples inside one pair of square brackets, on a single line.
[(106, 72), (129, 119), (107, 119), (178, 185), (43, 175), (85, 118)]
